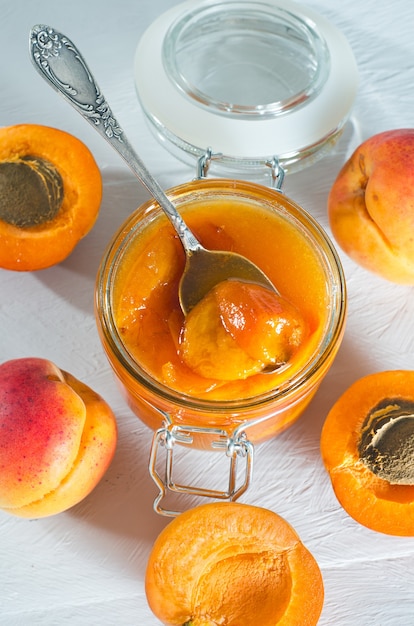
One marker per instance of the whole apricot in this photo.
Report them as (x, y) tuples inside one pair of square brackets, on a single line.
[(234, 564), (57, 438), (371, 205)]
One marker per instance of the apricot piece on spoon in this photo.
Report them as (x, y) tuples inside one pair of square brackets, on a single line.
[(239, 329), (264, 324)]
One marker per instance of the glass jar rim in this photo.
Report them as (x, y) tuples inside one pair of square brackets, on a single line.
[(119, 245), (252, 41)]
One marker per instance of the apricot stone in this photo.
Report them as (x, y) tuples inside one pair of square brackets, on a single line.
[(57, 438), (371, 205)]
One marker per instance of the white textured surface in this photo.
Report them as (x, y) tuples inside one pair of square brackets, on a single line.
[(86, 567)]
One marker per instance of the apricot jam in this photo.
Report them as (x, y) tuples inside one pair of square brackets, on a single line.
[(140, 320)]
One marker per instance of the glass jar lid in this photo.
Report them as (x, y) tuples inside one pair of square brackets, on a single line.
[(245, 61), (249, 81)]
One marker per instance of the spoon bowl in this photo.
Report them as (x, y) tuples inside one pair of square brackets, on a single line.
[(60, 63)]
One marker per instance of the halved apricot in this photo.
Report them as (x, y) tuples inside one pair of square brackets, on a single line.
[(234, 564), (50, 195), (367, 446)]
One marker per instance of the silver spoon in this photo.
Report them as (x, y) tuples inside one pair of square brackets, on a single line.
[(60, 63)]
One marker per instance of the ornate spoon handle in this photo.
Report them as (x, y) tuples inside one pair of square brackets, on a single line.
[(61, 64)]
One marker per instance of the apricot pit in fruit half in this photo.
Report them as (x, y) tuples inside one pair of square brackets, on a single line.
[(234, 564), (57, 438), (367, 446), (50, 194)]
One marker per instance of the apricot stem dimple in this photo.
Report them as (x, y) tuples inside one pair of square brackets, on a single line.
[(31, 191), (386, 445)]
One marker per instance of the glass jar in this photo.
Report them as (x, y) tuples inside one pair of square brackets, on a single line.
[(294, 251), (249, 80)]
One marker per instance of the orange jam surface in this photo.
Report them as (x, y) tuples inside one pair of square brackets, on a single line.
[(195, 356)]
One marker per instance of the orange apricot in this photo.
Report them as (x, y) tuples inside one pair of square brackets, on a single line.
[(50, 195), (371, 205), (57, 439), (367, 446), (234, 564)]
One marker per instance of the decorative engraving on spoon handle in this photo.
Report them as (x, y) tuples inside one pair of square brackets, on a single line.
[(57, 60), (47, 46)]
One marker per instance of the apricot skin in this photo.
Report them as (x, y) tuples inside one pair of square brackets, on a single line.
[(371, 205), (57, 438)]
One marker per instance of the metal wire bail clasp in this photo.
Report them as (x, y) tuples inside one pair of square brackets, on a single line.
[(169, 436), (204, 162), (278, 173)]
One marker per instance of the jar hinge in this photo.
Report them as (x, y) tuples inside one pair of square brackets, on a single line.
[(277, 171), (170, 435), (204, 162)]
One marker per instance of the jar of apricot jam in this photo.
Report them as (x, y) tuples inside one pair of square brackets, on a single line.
[(140, 320), (248, 89)]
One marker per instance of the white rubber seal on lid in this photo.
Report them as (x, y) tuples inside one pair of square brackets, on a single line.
[(306, 72)]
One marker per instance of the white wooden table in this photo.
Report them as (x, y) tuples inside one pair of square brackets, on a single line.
[(86, 567)]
